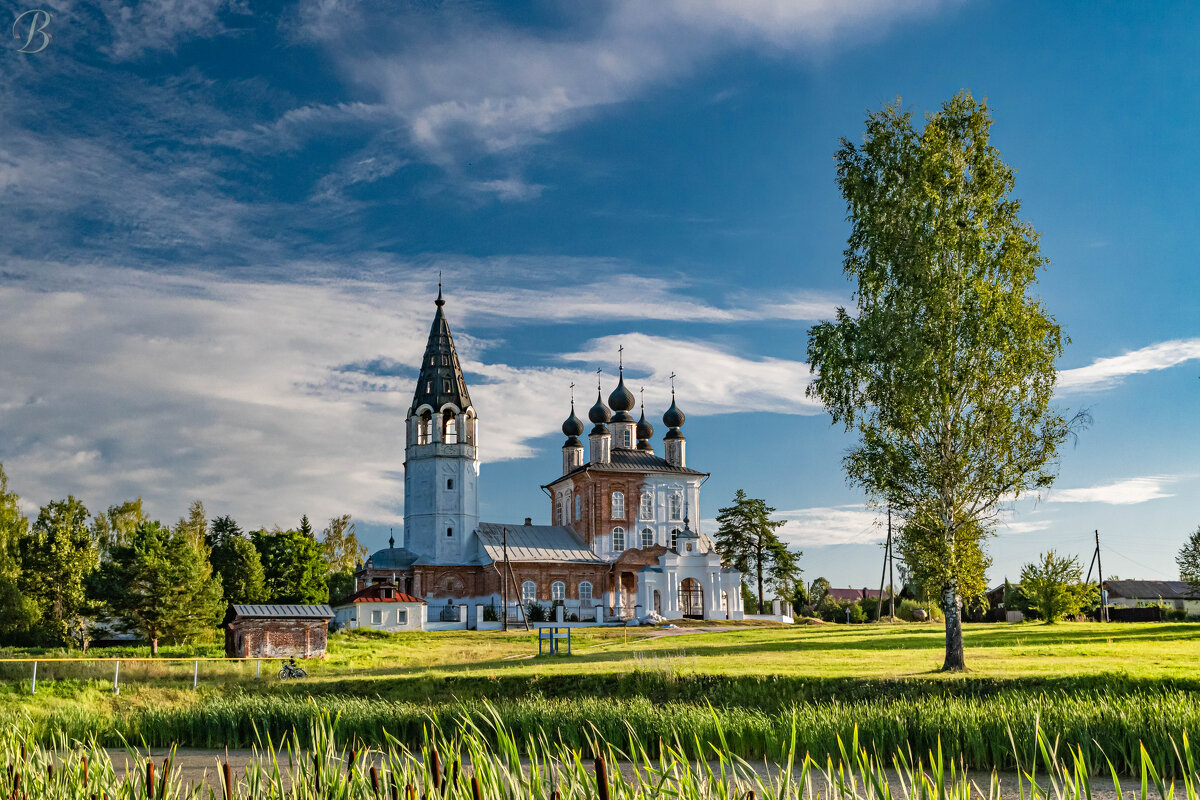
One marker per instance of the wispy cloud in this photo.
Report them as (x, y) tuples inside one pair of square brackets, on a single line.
[(1105, 373), (831, 525), (1126, 492), (184, 385), (150, 25)]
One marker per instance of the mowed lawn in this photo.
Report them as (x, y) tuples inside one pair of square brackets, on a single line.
[(825, 651)]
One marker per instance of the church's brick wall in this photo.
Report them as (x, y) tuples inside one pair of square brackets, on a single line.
[(276, 638)]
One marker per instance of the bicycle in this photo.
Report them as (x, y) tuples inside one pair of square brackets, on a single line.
[(290, 670)]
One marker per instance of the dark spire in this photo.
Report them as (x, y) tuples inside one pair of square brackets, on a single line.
[(391, 539), (441, 379), (573, 426), (674, 418), (645, 431)]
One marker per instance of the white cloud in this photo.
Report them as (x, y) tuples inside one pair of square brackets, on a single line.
[(710, 379), (509, 189), (1105, 373), (831, 525), (268, 399), (162, 24), (1126, 492), (1026, 526)]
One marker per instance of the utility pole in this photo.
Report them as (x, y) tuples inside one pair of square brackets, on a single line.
[(891, 569), (883, 572), (504, 582), (1100, 580)]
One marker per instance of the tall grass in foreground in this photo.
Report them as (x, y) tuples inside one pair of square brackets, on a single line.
[(470, 761), (1099, 727)]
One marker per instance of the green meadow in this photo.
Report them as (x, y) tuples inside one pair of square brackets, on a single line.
[(1104, 688)]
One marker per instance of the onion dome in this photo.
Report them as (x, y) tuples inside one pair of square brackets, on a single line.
[(644, 432), (674, 418), (599, 413), (573, 426), (621, 400)]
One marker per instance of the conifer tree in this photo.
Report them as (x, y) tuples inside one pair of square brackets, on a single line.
[(747, 541)]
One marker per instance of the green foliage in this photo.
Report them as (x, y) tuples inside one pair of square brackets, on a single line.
[(160, 585), (115, 526), (341, 584), (294, 568), (17, 612), (340, 546), (817, 591), (1189, 559), (906, 608), (237, 564), (1055, 587), (747, 541), (933, 559), (57, 555), (195, 525), (947, 370), (537, 612), (857, 613), (221, 530)]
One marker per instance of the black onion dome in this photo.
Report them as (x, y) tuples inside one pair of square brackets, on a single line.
[(573, 441), (573, 426), (621, 399), (674, 418), (644, 429), (599, 413)]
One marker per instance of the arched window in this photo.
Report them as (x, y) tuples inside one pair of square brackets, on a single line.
[(449, 427), (425, 428), (558, 591), (647, 537), (618, 505), (647, 505), (585, 593), (578, 507), (558, 510), (528, 591), (675, 538), (618, 538), (676, 505)]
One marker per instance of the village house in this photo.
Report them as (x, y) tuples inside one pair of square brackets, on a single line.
[(380, 607), (1179, 595), (276, 631)]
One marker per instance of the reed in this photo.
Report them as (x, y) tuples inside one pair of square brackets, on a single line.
[(482, 758)]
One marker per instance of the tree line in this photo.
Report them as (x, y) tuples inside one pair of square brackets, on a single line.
[(68, 575)]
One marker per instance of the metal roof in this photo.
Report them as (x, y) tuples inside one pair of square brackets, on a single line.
[(391, 558), (291, 611), (441, 380), (624, 459), (375, 593), (553, 543), (1153, 590)]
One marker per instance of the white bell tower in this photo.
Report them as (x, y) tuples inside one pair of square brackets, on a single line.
[(441, 459)]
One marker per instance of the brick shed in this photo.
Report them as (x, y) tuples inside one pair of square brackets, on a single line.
[(276, 631)]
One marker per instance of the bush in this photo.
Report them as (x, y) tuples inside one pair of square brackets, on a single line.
[(537, 613), (490, 615), (906, 608), (857, 614)]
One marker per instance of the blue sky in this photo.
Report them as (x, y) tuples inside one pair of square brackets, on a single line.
[(224, 223)]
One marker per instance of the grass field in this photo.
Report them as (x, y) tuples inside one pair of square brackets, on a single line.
[(1115, 685)]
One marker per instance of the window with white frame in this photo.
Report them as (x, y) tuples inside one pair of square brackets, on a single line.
[(449, 428), (585, 593), (618, 538), (618, 505), (528, 591), (558, 591), (647, 505), (402, 616), (676, 505), (558, 510), (647, 537), (377, 617)]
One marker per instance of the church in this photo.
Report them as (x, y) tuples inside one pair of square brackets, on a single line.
[(619, 544)]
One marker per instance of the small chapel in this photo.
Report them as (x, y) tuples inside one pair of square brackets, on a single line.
[(619, 546)]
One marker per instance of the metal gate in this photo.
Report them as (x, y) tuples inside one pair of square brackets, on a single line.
[(691, 599)]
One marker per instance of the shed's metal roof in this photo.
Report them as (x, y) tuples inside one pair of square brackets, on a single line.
[(553, 543), (288, 611), (1153, 590)]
